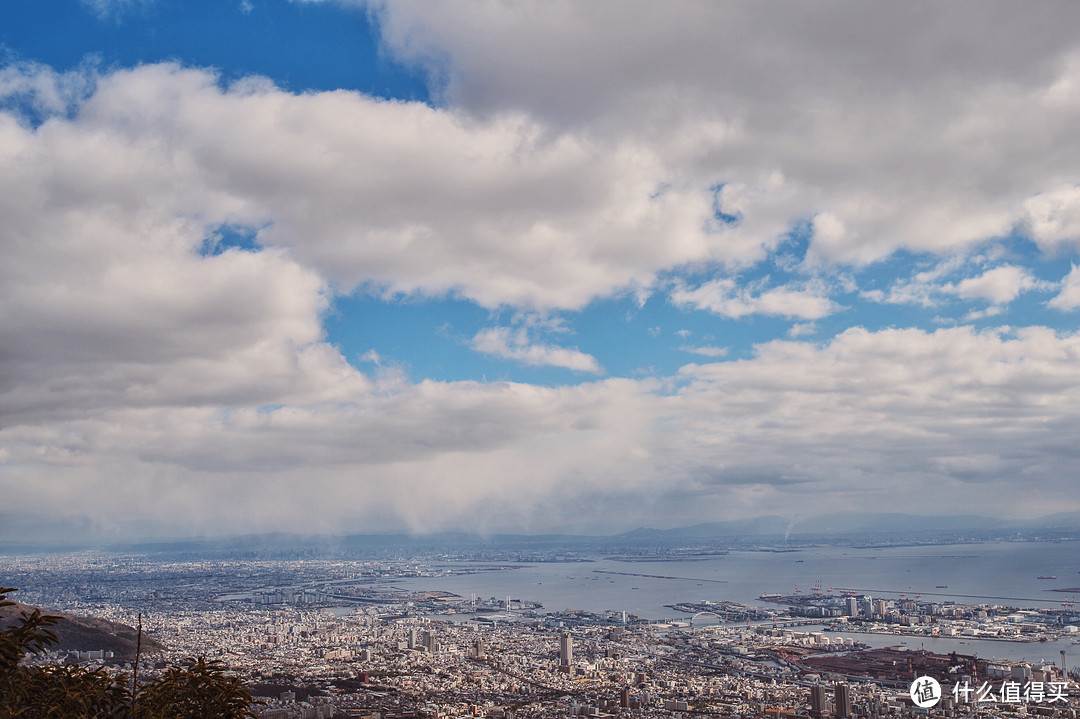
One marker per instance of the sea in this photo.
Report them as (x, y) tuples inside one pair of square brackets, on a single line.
[(1017, 574)]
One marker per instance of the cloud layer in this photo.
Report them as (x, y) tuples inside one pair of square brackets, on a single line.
[(920, 127), (157, 373)]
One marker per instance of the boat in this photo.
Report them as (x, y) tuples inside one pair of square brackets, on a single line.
[(1047, 577), (942, 586)]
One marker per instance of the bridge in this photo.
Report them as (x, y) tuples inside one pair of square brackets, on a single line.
[(719, 617)]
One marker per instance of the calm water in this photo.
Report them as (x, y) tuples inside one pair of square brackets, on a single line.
[(1007, 569), (978, 573)]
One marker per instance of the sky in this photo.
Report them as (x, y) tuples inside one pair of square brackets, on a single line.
[(348, 266)]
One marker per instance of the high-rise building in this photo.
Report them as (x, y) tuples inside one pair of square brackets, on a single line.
[(819, 701), (868, 606), (566, 649), (842, 698), (852, 606)]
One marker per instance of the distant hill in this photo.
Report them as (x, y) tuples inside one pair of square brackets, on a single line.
[(87, 634), (839, 527), (756, 527), (866, 526)]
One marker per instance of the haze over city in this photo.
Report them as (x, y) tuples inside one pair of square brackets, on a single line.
[(350, 266)]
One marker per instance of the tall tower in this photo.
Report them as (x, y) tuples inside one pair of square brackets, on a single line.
[(843, 700), (566, 649), (819, 701), (851, 606)]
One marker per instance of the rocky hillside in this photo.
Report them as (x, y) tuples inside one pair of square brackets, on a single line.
[(86, 634)]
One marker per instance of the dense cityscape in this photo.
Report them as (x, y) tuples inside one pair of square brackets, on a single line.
[(339, 638)]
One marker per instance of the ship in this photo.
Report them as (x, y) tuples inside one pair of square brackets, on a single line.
[(1047, 577)]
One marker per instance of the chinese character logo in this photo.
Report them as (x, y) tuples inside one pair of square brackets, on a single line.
[(925, 692)]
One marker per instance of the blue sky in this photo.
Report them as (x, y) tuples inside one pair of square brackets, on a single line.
[(506, 261)]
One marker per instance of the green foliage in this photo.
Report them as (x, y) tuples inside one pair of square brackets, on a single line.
[(29, 634), (54, 692), (199, 690), (202, 689)]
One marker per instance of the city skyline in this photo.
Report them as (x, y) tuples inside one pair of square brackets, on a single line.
[(341, 266)]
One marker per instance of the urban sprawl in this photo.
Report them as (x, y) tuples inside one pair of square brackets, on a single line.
[(319, 638)]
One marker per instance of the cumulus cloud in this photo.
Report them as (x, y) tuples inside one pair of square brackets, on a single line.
[(550, 198), (109, 299), (725, 297), (512, 212), (999, 286), (1054, 217), (890, 128), (1069, 297), (143, 375), (868, 418), (923, 288), (705, 350), (516, 345), (41, 90)]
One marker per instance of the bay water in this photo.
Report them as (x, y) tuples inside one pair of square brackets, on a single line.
[(1017, 574)]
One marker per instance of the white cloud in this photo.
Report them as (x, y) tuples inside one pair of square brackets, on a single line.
[(115, 8), (991, 311), (999, 285), (891, 129), (1054, 217), (44, 90), (867, 419), (109, 304), (140, 378), (1069, 297), (542, 199), (516, 345), (511, 211), (724, 297), (705, 351)]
